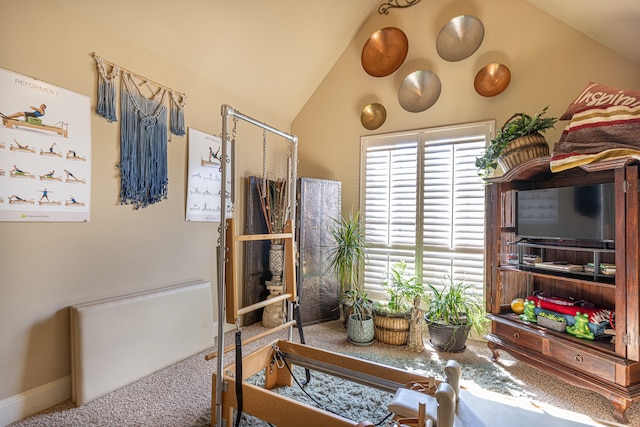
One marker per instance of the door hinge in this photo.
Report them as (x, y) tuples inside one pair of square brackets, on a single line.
[(626, 185), (629, 339)]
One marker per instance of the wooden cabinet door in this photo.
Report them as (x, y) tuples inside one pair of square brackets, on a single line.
[(319, 202), (628, 302), (492, 248)]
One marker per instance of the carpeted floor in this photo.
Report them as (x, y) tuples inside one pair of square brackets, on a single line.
[(180, 395)]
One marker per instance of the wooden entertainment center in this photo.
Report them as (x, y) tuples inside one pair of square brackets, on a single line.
[(609, 366)]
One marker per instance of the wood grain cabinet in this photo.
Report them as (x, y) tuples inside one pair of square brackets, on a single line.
[(318, 202), (607, 366)]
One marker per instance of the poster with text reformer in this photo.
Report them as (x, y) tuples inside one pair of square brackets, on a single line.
[(205, 176), (45, 151)]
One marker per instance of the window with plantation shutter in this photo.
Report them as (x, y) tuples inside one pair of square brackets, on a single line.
[(423, 201)]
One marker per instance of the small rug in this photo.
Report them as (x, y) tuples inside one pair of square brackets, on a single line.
[(358, 402), (329, 393)]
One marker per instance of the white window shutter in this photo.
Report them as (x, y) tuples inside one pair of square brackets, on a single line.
[(390, 208), (424, 183)]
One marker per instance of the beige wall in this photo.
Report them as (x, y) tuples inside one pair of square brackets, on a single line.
[(46, 267), (550, 63)]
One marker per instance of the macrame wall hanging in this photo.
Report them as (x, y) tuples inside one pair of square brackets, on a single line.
[(143, 131)]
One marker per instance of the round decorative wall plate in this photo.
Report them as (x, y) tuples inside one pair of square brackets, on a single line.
[(460, 38), (492, 79), (373, 116), (419, 91), (385, 51)]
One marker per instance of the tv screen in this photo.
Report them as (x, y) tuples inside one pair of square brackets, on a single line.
[(585, 212)]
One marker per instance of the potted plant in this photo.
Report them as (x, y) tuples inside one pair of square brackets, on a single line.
[(519, 139), (360, 327), (451, 313), (392, 317), (349, 252)]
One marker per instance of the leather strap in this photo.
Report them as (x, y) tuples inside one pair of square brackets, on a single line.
[(239, 376), (296, 313)]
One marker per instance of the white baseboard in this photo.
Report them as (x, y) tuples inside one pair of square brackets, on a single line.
[(37, 399), (22, 405)]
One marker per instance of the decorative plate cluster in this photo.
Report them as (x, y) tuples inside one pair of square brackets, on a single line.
[(386, 50)]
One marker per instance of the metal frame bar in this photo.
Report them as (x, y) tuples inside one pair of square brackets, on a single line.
[(259, 401), (344, 372), (227, 113)]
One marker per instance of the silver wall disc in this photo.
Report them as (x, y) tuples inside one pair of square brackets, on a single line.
[(460, 38), (419, 91)]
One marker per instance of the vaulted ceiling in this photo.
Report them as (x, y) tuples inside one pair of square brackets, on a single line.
[(275, 53), (615, 24)]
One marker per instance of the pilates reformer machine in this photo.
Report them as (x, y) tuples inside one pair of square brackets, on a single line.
[(229, 389)]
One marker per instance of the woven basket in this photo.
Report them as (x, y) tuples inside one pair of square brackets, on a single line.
[(392, 330), (522, 149)]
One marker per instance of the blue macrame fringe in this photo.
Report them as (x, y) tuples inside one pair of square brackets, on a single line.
[(107, 100), (143, 146), (177, 115), (106, 105)]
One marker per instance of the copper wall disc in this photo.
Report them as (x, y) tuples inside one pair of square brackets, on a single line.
[(385, 51), (373, 116), (419, 91), (492, 79), (460, 38)]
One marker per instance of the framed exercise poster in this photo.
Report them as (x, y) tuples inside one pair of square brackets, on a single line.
[(205, 176), (45, 151)]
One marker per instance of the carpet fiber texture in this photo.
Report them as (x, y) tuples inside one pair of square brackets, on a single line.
[(180, 395)]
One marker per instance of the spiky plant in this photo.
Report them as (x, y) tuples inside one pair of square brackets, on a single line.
[(455, 304), (349, 251)]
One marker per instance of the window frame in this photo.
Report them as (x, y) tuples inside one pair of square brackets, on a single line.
[(420, 138)]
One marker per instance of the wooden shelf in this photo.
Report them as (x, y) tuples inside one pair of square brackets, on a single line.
[(581, 277), (605, 344), (610, 367), (535, 168), (572, 277), (540, 168)]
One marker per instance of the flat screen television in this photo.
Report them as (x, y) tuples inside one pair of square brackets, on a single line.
[(585, 212)]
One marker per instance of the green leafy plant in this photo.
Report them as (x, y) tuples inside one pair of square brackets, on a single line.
[(402, 289), (517, 126), (455, 304), (358, 303), (349, 252)]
